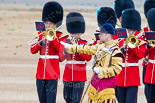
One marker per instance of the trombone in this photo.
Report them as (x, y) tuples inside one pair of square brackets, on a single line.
[(49, 34)]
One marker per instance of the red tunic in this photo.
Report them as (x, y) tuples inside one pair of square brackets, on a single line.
[(150, 70), (129, 75), (48, 64), (75, 68), (115, 36)]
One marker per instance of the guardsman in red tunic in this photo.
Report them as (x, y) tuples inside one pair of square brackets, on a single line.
[(150, 69), (74, 77), (147, 6), (129, 79), (48, 71)]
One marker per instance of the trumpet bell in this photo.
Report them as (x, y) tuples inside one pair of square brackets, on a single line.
[(50, 34), (132, 41), (152, 43)]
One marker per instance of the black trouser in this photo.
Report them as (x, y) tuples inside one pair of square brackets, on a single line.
[(126, 94), (47, 90), (150, 92), (73, 91), (144, 70)]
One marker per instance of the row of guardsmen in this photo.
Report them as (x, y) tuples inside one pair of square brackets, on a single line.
[(116, 69)]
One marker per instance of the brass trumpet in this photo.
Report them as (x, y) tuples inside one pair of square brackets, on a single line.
[(132, 41), (49, 34), (152, 43)]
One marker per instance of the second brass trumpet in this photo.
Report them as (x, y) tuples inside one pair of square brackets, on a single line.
[(152, 43)]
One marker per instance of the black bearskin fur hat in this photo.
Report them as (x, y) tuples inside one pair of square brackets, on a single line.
[(148, 5), (151, 19), (131, 19), (106, 15), (121, 5), (53, 12), (75, 23)]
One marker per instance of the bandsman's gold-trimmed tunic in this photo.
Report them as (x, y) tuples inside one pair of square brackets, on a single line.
[(108, 58)]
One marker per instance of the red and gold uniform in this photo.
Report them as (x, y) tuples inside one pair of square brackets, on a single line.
[(130, 65), (48, 64), (109, 60), (48, 71), (150, 70), (150, 52), (129, 79), (74, 76), (149, 78)]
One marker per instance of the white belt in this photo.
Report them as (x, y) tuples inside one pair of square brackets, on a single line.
[(151, 61), (129, 64), (49, 56), (76, 62)]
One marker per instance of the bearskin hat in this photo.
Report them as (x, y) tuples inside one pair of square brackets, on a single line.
[(106, 15), (131, 19), (151, 19), (53, 12), (148, 5), (75, 23), (121, 5)]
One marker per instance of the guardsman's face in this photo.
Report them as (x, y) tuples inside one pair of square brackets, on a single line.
[(76, 35), (120, 19), (130, 31), (50, 25), (103, 37)]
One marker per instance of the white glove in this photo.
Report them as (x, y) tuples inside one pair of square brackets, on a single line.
[(96, 70), (66, 45)]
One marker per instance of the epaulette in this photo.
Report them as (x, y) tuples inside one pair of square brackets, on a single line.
[(116, 50)]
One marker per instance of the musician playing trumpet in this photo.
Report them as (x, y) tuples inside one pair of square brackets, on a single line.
[(150, 51), (129, 79), (48, 71), (148, 4)]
